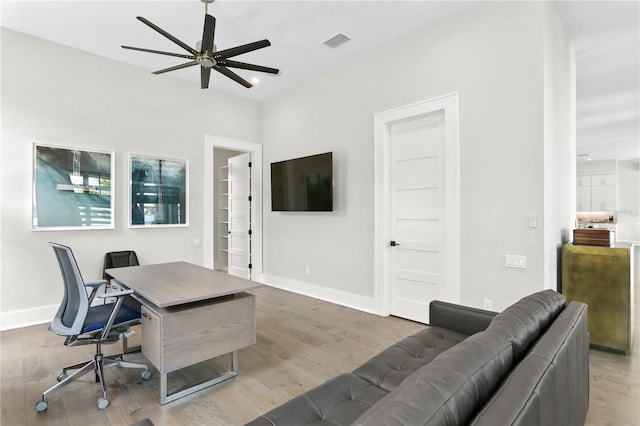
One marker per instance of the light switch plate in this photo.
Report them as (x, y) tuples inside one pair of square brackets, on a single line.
[(513, 261)]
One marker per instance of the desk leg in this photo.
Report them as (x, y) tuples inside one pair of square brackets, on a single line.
[(165, 397)]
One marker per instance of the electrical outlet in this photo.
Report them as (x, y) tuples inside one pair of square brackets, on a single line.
[(487, 304), (513, 261), (307, 270)]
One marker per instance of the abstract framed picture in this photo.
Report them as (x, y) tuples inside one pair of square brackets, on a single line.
[(158, 192), (72, 188)]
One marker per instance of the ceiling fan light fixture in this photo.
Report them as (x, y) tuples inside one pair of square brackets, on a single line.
[(207, 55)]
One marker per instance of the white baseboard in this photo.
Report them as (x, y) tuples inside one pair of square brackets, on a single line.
[(27, 317), (350, 300)]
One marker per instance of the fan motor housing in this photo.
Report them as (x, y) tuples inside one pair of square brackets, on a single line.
[(205, 61)]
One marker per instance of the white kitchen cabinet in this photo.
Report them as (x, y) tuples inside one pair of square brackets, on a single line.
[(596, 193)]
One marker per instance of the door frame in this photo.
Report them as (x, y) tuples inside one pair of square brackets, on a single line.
[(210, 143), (382, 198)]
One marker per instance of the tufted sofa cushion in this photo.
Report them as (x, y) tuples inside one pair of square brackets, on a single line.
[(451, 389), (391, 366), (337, 402), (524, 321)]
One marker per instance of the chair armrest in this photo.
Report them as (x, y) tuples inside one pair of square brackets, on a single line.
[(115, 294), (463, 319), (106, 330), (94, 286)]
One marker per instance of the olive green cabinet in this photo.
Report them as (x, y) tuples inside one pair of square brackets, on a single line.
[(602, 277)]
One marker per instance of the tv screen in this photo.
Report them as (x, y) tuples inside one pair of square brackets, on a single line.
[(303, 184)]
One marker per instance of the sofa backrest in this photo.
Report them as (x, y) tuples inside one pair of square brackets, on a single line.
[(551, 384), (450, 389), (523, 322)]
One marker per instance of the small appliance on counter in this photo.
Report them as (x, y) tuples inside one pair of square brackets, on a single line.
[(594, 237)]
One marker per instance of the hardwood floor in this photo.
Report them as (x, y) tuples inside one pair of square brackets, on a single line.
[(302, 342)]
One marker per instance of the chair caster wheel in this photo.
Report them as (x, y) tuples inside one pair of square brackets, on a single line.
[(103, 403), (61, 377), (146, 375), (42, 406)]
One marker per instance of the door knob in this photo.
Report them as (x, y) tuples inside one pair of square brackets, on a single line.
[(393, 244)]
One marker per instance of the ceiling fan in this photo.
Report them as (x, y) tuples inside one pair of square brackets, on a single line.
[(208, 57)]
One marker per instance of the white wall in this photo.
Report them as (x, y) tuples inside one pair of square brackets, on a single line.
[(67, 97), (559, 142), (595, 167), (492, 55)]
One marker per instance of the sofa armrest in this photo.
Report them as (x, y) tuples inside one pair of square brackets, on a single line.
[(462, 319)]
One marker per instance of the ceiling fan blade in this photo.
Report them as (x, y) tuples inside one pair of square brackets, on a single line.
[(239, 50), (178, 55), (208, 33), (245, 66), (205, 73), (233, 76), (167, 35), (177, 67)]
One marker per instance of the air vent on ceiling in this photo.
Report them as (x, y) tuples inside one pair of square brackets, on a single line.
[(336, 41)]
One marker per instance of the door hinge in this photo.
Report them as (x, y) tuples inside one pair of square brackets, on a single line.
[(249, 197), (249, 231), (249, 163), (250, 266)]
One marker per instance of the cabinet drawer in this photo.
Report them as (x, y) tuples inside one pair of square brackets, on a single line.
[(152, 336)]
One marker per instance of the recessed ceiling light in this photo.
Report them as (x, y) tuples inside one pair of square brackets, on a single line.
[(255, 80)]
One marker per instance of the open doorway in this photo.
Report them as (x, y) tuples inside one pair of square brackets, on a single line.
[(233, 216)]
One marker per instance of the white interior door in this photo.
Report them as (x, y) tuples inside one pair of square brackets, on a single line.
[(417, 206), (240, 215)]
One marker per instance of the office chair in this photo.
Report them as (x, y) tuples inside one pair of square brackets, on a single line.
[(120, 259), (83, 324)]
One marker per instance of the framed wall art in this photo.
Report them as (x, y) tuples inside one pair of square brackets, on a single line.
[(72, 188), (159, 192)]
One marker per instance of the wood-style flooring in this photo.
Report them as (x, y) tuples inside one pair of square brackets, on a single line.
[(302, 342)]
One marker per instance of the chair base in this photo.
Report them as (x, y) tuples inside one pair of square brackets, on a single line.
[(97, 365)]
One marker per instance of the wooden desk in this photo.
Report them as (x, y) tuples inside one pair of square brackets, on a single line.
[(190, 314)]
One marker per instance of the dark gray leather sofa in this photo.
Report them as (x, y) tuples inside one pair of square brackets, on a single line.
[(528, 365)]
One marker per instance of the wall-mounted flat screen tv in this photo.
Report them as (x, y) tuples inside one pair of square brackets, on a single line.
[(303, 184)]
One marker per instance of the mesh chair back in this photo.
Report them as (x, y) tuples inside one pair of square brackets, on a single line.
[(75, 302), (119, 259)]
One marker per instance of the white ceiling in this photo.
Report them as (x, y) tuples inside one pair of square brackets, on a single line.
[(606, 36)]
